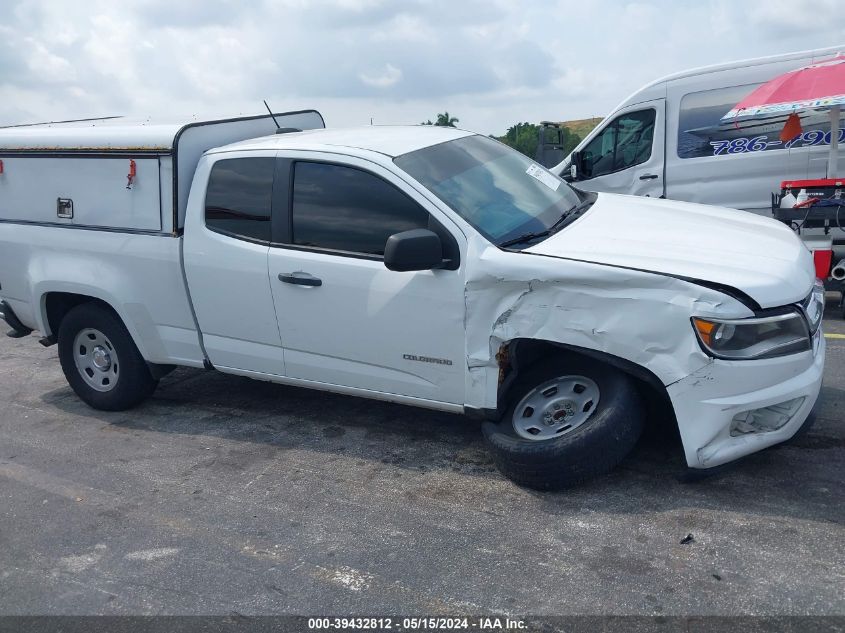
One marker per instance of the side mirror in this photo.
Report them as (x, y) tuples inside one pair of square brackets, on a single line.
[(575, 163), (417, 249)]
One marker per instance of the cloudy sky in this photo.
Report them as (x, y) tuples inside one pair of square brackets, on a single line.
[(490, 63)]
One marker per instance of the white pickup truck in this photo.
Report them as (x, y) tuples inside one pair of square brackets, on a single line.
[(422, 265)]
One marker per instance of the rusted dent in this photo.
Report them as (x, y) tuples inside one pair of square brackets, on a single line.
[(503, 360)]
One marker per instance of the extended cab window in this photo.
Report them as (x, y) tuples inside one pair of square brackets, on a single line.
[(238, 198), (625, 142), (347, 209)]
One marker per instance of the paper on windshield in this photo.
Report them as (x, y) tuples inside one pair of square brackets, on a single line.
[(537, 172)]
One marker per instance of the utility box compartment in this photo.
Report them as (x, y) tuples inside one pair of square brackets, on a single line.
[(85, 191), (115, 173)]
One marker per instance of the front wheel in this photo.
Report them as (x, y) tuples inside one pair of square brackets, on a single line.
[(100, 360), (568, 420)]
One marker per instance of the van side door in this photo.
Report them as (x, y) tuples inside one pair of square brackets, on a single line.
[(727, 163), (627, 154), (344, 318)]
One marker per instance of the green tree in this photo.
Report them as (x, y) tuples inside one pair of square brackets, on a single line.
[(443, 120), (524, 138)]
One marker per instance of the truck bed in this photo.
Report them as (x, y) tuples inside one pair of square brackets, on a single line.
[(144, 271)]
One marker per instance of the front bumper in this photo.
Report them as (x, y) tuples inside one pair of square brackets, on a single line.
[(706, 402)]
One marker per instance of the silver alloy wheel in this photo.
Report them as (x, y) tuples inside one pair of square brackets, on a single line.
[(555, 408), (96, 359)]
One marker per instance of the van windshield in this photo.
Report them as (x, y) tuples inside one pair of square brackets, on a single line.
[(500, 192)]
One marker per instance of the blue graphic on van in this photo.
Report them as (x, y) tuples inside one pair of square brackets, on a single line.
[(742, 145), (701, 132)]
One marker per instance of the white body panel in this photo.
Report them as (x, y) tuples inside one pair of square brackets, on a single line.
[(761, 256), (743, 180), (360, 326), (138, 275), (365, 329)]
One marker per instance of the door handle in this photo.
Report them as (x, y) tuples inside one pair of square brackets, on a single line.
[(649, 176), (300, 279)]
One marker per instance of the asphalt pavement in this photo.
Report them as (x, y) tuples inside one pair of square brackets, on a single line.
[(223, 495)]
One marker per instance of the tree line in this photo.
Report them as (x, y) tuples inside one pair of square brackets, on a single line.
[(523, 137)]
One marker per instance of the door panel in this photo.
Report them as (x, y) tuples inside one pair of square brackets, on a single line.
[(233, 301), (740, 181), (622, 156), (344, 318), (728, 163), (226, 263), (367, 327), (711, 161)]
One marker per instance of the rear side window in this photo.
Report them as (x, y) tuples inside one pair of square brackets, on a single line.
[(347, 209), (238, 199), (702, 132)]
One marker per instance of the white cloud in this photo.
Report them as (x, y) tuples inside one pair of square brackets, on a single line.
[(489, 62), (794, 17), (389, 76), (51, 68)]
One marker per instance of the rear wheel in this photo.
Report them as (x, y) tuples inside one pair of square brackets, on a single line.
[(568, 420), (100, 360)]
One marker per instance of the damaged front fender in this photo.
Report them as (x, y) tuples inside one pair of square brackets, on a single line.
[(638, 316)]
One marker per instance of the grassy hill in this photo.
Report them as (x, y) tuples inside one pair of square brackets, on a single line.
[(582, 127), (523, 136)]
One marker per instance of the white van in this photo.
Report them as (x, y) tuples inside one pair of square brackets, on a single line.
[(666, 140)]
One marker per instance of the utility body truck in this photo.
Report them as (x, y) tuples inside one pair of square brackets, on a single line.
[(421, 265)]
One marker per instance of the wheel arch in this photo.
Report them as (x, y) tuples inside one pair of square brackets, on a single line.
[(55, 303), (517, 355)]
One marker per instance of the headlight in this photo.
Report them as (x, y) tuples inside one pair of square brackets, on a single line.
[(814, 306), (755, 338)]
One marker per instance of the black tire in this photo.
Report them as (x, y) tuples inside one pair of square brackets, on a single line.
[(133, 382), (591, 449)]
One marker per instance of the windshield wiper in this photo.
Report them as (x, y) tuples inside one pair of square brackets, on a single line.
[(554, 228), (525, 237), (578, 208)]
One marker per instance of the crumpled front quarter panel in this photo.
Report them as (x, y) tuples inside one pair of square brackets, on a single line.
[(639, 316)]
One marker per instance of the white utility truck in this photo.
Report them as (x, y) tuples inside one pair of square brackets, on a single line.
[(422, 265)]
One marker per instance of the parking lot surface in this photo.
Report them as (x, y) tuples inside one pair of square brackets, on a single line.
[(223, 495)]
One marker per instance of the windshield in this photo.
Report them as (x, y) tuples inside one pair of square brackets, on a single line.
[(500, 192)]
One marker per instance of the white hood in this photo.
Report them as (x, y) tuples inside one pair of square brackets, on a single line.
[(759, 256)]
